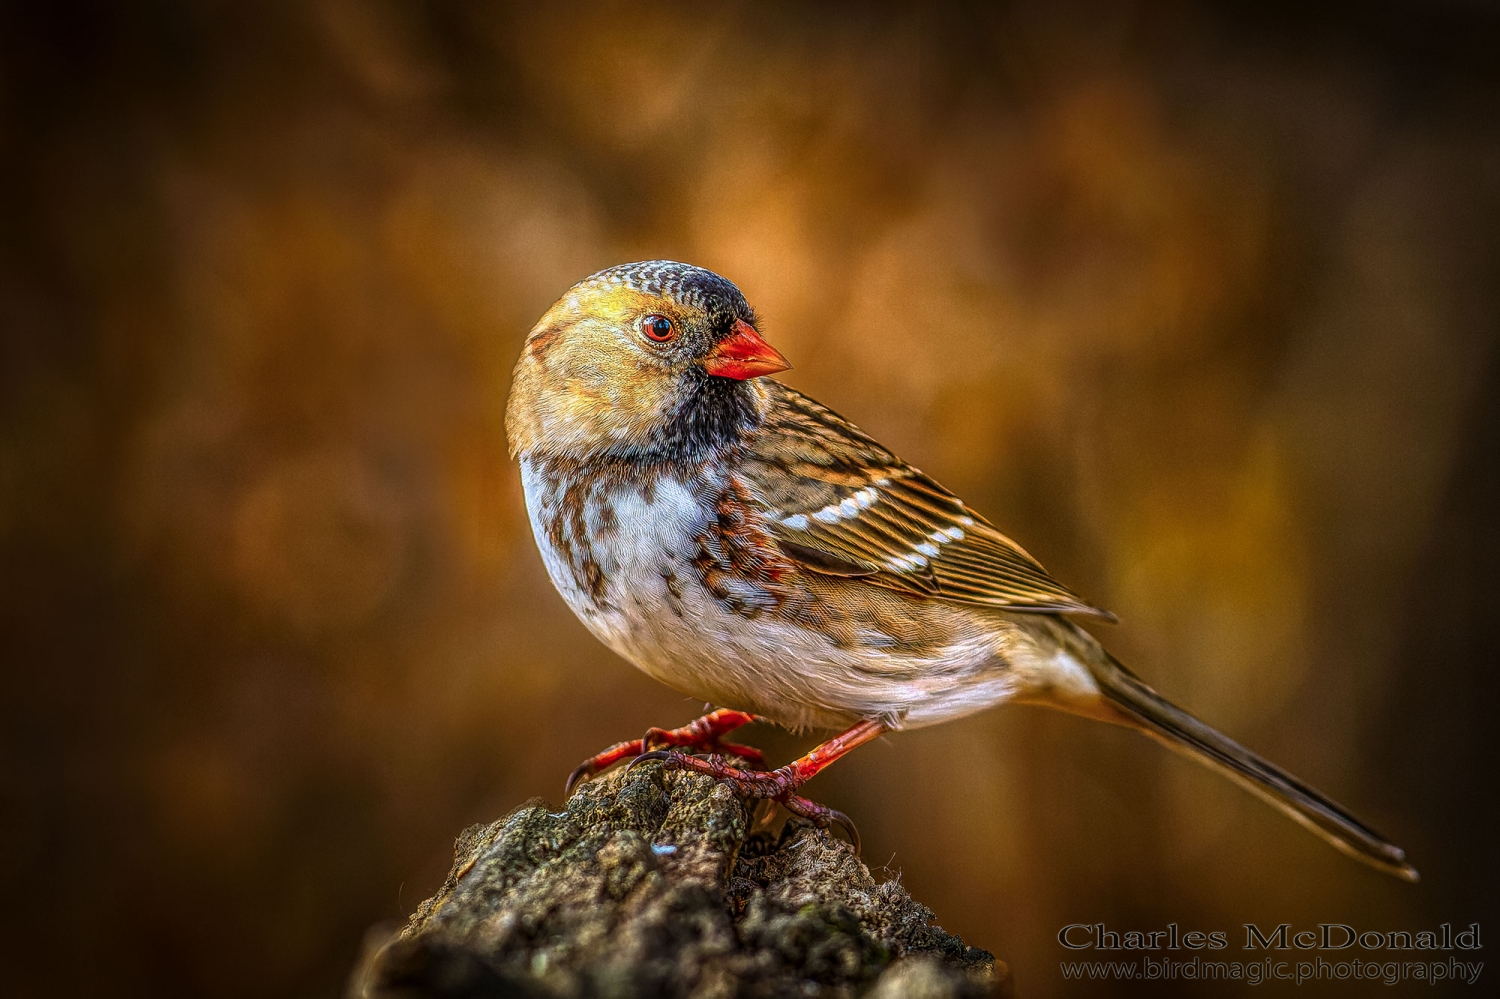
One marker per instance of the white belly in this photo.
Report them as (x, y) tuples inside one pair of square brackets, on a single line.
[(646, 602)]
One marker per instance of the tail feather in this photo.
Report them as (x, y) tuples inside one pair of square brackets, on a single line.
[(1180, 731)]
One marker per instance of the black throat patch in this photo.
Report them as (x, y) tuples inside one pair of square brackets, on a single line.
[(713, 415)]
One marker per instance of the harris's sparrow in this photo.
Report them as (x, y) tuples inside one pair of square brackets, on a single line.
[(747, 546)]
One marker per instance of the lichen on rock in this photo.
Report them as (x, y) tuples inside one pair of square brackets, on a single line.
[(656, 884)]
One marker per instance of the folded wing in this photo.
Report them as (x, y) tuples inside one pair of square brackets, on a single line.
[(840, 504)]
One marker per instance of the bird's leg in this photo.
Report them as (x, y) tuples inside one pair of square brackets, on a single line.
[(782, 783), (701, 734)]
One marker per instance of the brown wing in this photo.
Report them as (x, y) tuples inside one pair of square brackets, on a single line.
[(840, 504)]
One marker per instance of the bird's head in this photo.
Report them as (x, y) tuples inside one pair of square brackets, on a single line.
[(646, 360)]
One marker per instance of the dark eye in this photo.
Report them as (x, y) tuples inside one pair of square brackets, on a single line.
[(658, 328)]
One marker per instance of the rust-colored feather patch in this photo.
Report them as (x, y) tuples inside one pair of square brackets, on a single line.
[(738, 561)]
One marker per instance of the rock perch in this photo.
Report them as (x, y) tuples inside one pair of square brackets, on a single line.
[(659, 884)]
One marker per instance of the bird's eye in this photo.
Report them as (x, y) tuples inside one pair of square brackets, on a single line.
[(658, 328)]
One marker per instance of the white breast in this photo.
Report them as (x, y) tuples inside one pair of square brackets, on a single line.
[(642, 549), (647, 604)]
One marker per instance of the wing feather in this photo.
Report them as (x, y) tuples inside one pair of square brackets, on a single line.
[(840, 504)]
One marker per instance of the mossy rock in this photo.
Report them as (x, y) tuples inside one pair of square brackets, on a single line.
[(656, 884)]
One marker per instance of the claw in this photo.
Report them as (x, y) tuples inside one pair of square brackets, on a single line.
[(580, 773), (822, 816), (847, 824), (655, 756), (602, 761)]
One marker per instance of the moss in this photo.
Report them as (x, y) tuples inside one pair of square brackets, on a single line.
[(654, 885)]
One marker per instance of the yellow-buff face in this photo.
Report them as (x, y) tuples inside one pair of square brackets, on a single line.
[(628, 357)]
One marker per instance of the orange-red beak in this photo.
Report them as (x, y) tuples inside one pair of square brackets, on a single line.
[(743, 354)]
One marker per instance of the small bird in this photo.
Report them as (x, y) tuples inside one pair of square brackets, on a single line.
[(750, 547)]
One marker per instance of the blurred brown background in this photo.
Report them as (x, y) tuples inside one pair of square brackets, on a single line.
[(1199, 306)]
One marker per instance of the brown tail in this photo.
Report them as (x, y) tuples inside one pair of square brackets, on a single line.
[(1180, 731)]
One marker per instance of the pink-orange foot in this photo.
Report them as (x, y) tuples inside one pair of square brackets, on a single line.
[(702, 735), (782, 783)]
